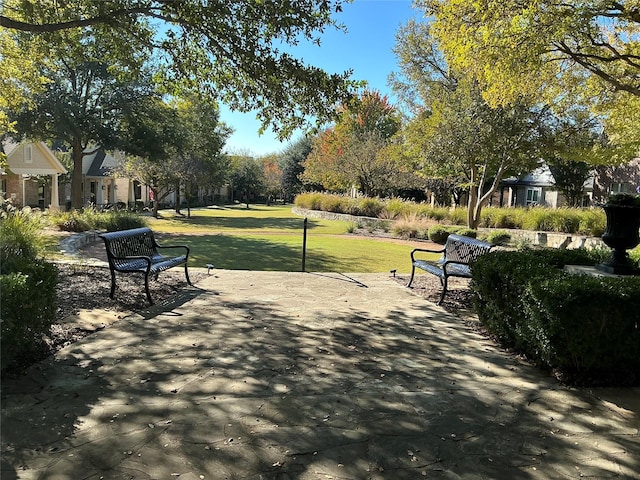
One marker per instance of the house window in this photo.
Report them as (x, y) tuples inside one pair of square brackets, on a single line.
[(620, 187), (533, 196), (3, 188), (93, 188), (28, 154)]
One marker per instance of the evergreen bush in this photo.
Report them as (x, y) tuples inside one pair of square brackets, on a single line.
[(122, 220), (587, 328), (438, 234), (27, 310), (498, 237), (27, 284)]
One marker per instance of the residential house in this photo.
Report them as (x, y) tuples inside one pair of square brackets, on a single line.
[(536, 189), (32, 174), (620, 179), (102, 187)]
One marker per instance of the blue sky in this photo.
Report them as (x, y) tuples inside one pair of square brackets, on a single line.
[(366, 48)]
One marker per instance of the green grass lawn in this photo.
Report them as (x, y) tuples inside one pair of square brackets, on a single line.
[(270, 238)]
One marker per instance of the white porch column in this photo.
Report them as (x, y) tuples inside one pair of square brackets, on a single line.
[(55, 202), (510, 197), (24, 191)]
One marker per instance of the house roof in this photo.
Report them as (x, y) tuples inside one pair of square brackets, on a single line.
[(98, 164), (42, 160)]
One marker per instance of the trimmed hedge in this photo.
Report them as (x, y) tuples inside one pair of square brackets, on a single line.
[(27, 310), (27, 284), (586, 328)]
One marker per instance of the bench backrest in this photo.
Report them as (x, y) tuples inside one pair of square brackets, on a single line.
[(128, 243), (464, 249)]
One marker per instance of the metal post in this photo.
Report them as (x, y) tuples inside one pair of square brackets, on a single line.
[(304, 245)]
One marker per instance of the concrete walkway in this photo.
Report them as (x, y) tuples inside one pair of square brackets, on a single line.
[(271, 375)]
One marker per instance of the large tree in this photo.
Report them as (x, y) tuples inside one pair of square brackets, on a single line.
[(455, 133), (559, 53), (246, 177), (179, 145), (352, 153), (291, 163), (85, 100), (233, 51)]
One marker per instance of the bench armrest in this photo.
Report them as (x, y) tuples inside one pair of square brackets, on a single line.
[(424, 250), (174, 246)]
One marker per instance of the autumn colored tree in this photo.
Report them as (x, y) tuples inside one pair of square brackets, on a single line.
[(272, 174), (352, 153)]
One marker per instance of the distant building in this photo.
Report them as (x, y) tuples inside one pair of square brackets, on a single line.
[(32, 175), (537, 189)]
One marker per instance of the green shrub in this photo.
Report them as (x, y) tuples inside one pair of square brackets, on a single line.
[(122, 220), (24, 315), (458, 216), (465, 232), (438, 234), (310, 201), (495, 217), (333, 203), (27, 284), (72, 221), (585, 327), (498, 237), (370, 207), (20, 236), (396, 208), (592, 222)]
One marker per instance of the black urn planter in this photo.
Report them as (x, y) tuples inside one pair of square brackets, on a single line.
[(621, 234)]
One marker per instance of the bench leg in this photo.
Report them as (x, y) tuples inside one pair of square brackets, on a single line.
[(443, 280), (146, 288), (113, 283), (186, 274), (413, 272)]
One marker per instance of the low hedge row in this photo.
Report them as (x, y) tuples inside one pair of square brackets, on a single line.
[(27, 283), (585, 328), (581, 221), (27, 310)]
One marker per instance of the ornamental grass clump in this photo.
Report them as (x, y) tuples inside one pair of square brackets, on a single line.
[(396, 208)]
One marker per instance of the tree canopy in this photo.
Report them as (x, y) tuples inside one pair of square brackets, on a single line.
[(353, 151), (549, 52), (179, 145), (517, 47), (84, 101), (456, 134), (232, 51)]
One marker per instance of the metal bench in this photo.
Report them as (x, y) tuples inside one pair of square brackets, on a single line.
[(456, 255), (136, 250)]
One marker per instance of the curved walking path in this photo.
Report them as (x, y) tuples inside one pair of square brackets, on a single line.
[(272, 375)]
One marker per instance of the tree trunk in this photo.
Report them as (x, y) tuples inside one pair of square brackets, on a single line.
[(76, 179), (155, 202), (178, 200)]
